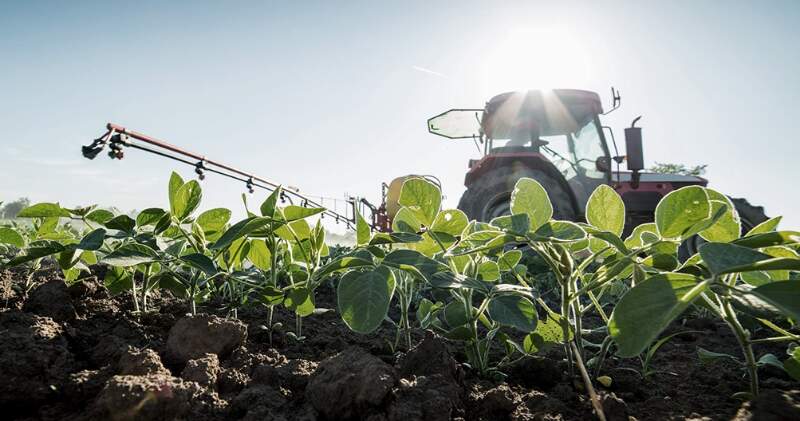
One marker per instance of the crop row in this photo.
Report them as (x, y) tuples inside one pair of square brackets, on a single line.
[(464, 279)]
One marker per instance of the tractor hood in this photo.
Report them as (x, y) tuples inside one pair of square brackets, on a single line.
[(625, 177)]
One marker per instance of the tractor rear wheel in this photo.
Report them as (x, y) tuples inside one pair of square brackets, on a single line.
[(490, 195), (749, 215)]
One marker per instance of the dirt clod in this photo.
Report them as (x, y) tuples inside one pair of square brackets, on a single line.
[(429, 357), (293, 374), (349, 384), (140, 362), (771, 405), (51, 299), (194, 336), (34, 359), (204, 370), (436, 397), (154, 397)]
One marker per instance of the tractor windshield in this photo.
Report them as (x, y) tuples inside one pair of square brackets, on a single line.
[(581, 156)]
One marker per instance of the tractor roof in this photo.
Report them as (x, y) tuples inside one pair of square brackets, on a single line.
[(554, 112)]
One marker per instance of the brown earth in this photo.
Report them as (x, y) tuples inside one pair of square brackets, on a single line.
[(75, 353)]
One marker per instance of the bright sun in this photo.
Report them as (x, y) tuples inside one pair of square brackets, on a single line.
[(549, 57)]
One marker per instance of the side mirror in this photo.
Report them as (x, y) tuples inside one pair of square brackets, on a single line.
[(633, 147), (603, 164)]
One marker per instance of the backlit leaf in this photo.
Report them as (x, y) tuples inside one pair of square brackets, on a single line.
[(605, 210), (531, 198)]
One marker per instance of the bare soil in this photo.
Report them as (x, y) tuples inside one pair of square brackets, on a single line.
[(75, 353)]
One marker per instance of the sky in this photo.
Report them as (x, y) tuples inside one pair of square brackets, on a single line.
[(332, 97)]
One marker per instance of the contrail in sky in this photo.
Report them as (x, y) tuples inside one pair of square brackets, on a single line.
[(428, 71)]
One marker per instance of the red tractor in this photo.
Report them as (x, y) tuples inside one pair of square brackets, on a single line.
[(556, 138)]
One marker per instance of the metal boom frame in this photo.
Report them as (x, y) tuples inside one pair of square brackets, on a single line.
[(116, 137)]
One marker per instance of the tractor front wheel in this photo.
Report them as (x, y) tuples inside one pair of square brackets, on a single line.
[(490, 195)]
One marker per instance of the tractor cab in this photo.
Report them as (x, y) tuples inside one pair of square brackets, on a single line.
[(554, 132), (555, 137)]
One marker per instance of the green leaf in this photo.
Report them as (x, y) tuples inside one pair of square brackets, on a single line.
[(186, 200), (549, 332), (635, 239), (295, 213), (9, 236), (422, 197), (93, 240), (299, 229), (518, 224), (414, 262), (488, 271), (270, 295), (363, 231), (779, 251), (201, 262), (344, 262), (270, 203), (450, 221), (455, 314), (121, 223), (36, 250), (510, 289), (213, 221), (238, 230), (680, 210), (531, 198), (610, 238), (260, 255), (43, 210), (117, 280), (426, 312), (175, 183), (728, 227), (766, 226), (447, 280), (648, 308), (149, 216), (364, 298), (509, 259), (130, 254), (707, 357), (379, 238), (660, 261), (605, 210), (724, 258), (515, 311), (101, 216), (301, 301), (560, 231), (792, 364), (767, 239), (406, 221), (783, 295)]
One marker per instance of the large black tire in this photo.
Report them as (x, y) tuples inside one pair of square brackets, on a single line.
[(490, 195), (749, 215)]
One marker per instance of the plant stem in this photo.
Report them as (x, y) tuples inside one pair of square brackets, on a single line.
[(270, 311), (773, 339), (298, 325), (133, 293), (565, 327), (598, 407), (744, 342), (602, 355)]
